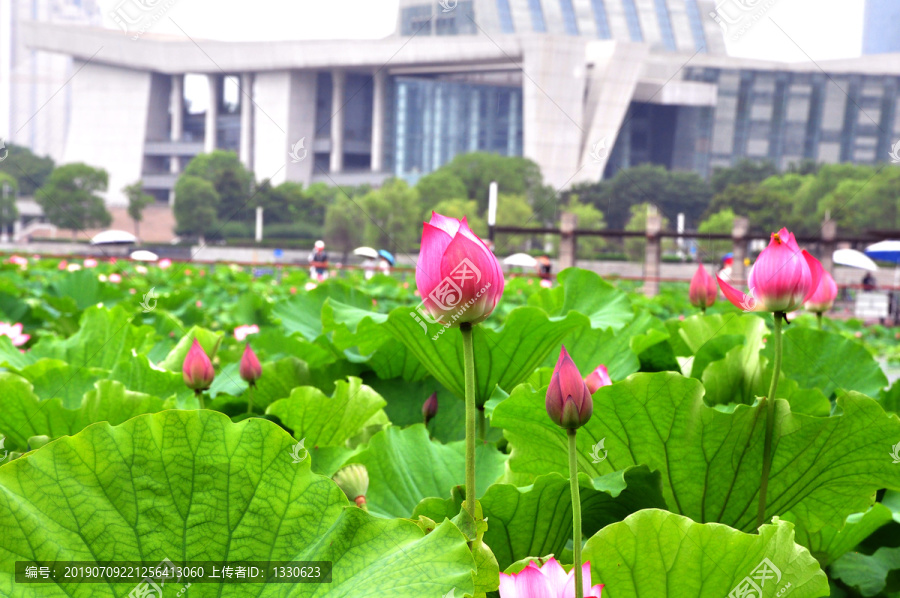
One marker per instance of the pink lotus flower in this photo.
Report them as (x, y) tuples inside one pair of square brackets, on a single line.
[(546, 283), (245, 330), (251, 369), (62, 265), (18, 260), (458, 277), (115, 278), (599, 377), (164, 263), (90, 263), (781, 280), (549, 581), (197, 370), (310, 286), (703, 289), (293, 290), (14, 332), (569, 403), (822, 300)]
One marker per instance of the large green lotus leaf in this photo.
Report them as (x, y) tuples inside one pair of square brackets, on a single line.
[(139, 375), (104, 336), (363, 337), (55, 379), (328, 421), (504, 357), (889, 397), (85, 289), (729, 380), (302, 312), (272, 345), (405, 466), (824, 468), (208, 339), (24, 415), (587, 293), (869, 574), (537, 519), (830, 543), (656, 553), (12, 357), (192, 485), (829, 362)]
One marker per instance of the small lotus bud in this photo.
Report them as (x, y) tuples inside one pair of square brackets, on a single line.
[(569, 403), (197, 370), (354, 481), (250, 370), (430, 408), (599, 377)]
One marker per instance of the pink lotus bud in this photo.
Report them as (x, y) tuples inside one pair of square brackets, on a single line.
[(250, 370), (549, 580), (781, 280), (703, 289), (197, 370), (430, 408), (822, 300), (459, 279), (599, 377), (569, 401)]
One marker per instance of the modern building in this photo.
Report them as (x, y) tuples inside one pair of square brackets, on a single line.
[(881, 28), (34, 101), (582, 87)]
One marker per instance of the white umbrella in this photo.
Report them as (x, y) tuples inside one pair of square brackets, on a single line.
[(520, 259), (888, 251), (113, 237), (854, 259), (142, 255), (368, 252)]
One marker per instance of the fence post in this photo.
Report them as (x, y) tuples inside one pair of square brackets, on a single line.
[(567, 240), (653, 253), (829, 234), (739, 251)]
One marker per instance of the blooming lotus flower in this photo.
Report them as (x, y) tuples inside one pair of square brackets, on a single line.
[(140, 269), (822, 300), (90, 263), (459, 279), (430, 408), (197, 370), (164, 263), (102, 277), (115, 278), (569, 403), (245, 330), (250, 369), (14, 332), (599, 377), (18, 260), (62, 265), (549, 581), (703, 289), (781, 280)]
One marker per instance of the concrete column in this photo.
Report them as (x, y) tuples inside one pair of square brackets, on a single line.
[(246, 153), (568, 245), (212, 113), (829, 234), (652, 253), (338, 85), (379, 99), (739, 238), (176, 131)]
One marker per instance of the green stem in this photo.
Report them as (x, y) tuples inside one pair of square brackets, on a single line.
[(769, 402), (469, 361), (199, 394), (576, 514), (250, 402), (819, 319)]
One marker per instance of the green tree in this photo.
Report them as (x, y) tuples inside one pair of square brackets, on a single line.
[(392, 217), (514, 176), (9, 191), (342, 228), (512, 210), (589, 218), (137, 201), (459, 209), (745, 172), (721, 222), (805, 202), (30, 170), (231, 180), (69, 197), (196, 203), (635, 247), (439, 186)]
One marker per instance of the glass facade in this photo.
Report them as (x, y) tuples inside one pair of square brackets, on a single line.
[(601, 18), (433, 121), (505, 14), (665, 24), (415, 20), (634, 23), (693, 13), (537, 16), (431, 19), (568, 15)]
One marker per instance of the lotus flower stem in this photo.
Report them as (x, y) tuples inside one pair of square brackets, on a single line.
[(250, 400), (469, 359), (199, 394), (576, 514), (819, 319), (770, 420)]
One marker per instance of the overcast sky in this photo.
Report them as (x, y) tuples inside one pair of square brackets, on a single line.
[(823, 29)]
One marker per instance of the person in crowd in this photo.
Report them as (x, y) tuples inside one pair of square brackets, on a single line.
[(318, 262), (869, 283)]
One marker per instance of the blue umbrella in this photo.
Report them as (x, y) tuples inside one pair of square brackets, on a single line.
[(387, 255), (886, 251)]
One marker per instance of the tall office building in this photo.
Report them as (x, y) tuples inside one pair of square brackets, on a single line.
[(881, 31)]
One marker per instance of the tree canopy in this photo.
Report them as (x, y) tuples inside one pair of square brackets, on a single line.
[(69, 197)]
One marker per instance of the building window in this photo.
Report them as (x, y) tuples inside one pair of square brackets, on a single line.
[(415, 20), (693, 12), (460, 21), (634, 23), (537, 16), (601, 19), (568, 14), (506, 22), (665, 24)]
